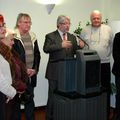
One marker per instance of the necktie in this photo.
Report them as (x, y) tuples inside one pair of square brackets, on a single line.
[(64, 36), (65, 39)]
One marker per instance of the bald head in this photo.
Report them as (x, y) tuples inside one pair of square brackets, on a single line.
[(96, 18)]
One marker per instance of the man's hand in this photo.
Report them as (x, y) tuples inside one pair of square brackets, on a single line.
[(81, 44), (31, 72), (66, 44)]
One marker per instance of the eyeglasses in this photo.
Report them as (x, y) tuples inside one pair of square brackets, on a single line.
[(66, 23)]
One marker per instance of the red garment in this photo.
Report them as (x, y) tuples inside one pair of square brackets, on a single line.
[(1, 18), (18, 69)]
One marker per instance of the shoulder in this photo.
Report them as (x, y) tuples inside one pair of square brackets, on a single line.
[(117, 37), (71, 35), (107, 29), (117, 34), (52, 34), (104, 26), (32, 34)]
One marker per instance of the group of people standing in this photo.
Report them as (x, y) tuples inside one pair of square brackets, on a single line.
[(60, 45), (20, 59)]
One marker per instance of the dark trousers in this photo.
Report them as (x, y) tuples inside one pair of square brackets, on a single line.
[(2, 106), (29, 107), (117, 82), (6, 109), (50, 102), (10, 109), (105, 82)]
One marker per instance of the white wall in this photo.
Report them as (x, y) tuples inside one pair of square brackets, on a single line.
[(112, 9), (78, 10)]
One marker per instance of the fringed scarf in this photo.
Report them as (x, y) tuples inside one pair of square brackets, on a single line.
[(18, 69)]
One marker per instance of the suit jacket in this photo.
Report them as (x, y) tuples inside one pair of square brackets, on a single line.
[(52, 45), (116, 54)]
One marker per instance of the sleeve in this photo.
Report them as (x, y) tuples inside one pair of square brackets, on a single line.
[(84, 36), (111, 40), (52, 44), (37, 56), (5, 87), (116, 48)]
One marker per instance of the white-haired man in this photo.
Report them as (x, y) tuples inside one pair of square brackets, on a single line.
[(99, 37)]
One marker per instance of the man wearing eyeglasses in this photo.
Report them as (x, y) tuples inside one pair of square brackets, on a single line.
[(60, 45)]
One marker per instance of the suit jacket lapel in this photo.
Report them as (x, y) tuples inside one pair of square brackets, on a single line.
[(58, 37)]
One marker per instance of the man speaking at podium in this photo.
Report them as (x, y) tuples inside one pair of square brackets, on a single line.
[(60, 45)]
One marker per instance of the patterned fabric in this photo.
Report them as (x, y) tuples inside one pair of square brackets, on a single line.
[(18, 70), (28, 50)]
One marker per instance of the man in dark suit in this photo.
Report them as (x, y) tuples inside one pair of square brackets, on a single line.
[(116, 71), (60, 45)]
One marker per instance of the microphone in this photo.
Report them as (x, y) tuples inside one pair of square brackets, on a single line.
[(82, 40)]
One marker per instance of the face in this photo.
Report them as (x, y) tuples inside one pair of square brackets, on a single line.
[(96, 19), (24, 24), (65, 26), (2, 30), (9, 41)]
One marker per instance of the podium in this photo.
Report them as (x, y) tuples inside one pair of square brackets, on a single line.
[(79, 95), (80, 107), (88, 72), (67, 75)]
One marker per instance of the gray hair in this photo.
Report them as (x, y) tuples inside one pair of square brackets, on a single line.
[(61, 19)]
